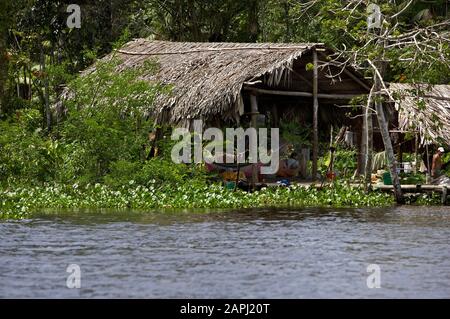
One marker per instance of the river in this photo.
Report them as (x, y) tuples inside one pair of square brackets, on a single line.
[(307, 253)]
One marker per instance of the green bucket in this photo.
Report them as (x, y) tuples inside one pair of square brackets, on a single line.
[(387, 179), (230, 185)]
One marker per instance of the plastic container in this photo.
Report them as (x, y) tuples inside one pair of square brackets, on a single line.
[(387, 179), (284, 182), (407, 167), (230, 185)]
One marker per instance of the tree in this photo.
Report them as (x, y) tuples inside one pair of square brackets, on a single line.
[(411, 43), (6, 20)]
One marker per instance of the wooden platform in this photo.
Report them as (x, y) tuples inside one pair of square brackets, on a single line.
[(412, 189), (442, 189)]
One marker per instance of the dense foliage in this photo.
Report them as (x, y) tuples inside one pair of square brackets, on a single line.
[(102, 138)]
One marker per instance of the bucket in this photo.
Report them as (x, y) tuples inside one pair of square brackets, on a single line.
[(230, 185), (387, 180)]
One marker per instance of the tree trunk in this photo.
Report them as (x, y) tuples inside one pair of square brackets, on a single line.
[(287, 20), (48, 115), (253, 22), (384, 129), (3, 69), (363, 146), (369, 148)]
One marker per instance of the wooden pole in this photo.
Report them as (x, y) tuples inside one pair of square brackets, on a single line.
[(428, 176), (369, 148), (315, 117), (331, 135), (302, 94), (363, 145), (254, 115), (416, 159), (331, 149)]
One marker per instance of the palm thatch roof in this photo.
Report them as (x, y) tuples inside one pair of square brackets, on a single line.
[(207, 78), (425, 109)]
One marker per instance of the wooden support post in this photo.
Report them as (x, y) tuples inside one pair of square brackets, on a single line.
[(363, 146), (304, 160), (428, 176), (444, 195), (254, 114), (275, 117), (416, 159), (315, 117)]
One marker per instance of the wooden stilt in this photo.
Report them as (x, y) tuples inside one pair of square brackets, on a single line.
[(315, 117), (369, 148), (416, 159), (254, 114)]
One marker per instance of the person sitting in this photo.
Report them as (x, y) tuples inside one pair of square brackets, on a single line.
[(152, 145), (436, 168), (289, 167), (436, 165)]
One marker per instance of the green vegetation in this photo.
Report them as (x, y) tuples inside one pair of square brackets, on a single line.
[(21, 202), (344, 163), (412, 179), (103, 135)]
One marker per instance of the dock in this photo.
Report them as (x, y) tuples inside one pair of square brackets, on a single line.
[(415, 189), (407, 189)]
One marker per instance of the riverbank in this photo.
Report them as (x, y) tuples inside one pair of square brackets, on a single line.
[(23, 202)]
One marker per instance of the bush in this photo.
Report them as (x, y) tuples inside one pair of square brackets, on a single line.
[(158, 171), (25, 156)]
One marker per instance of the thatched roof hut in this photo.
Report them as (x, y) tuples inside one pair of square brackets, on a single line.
[(424, 109), (229, 82), (208, 78)]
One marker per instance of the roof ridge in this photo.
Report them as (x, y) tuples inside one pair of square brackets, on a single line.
[(306, 47)]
